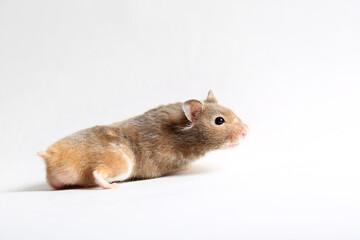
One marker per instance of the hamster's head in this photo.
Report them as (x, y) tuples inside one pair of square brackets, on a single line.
[(215, 125)]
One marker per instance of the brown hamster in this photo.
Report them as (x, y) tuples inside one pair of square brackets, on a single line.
[(160, 141)]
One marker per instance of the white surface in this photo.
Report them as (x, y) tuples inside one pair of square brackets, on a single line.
[(290, 69)]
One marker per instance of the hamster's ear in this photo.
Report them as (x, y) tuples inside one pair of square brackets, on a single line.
[(211, 97), (192, 108)]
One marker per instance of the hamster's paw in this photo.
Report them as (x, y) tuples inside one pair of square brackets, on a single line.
[(182, 169), (99, 179), (114, 185)]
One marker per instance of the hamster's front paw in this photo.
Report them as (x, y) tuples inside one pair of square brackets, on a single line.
[(182, 169)]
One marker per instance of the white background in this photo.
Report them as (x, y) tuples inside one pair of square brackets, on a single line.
[(290, 69)]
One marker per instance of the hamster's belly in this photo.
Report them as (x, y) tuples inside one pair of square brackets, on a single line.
[(158, 166)]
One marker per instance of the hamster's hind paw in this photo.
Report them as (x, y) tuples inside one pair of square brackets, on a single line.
[(102, 182)]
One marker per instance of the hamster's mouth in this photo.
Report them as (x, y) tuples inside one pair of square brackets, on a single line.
[(234, 143), (231, 145)]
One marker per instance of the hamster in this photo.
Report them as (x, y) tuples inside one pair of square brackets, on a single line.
[(160, 141)]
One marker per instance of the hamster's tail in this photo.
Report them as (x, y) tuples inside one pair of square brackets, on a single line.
[(44, 155)]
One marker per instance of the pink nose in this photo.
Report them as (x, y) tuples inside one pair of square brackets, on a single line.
[(244, 131)]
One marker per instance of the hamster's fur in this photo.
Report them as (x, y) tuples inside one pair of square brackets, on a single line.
[(160, 141)]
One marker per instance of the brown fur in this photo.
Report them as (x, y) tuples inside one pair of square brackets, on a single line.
[(160, 141)]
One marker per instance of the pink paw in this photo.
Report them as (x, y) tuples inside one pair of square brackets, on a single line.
[(183, 169), (101, 181)]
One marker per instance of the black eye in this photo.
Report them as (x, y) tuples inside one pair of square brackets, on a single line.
[(219, 120)]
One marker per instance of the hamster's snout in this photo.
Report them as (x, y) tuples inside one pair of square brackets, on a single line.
[(238, 134), (244, 131)]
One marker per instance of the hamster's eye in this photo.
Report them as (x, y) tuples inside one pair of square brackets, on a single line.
[(219, 120)]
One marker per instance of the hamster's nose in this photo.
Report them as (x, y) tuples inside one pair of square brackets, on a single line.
[(244, 131)]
